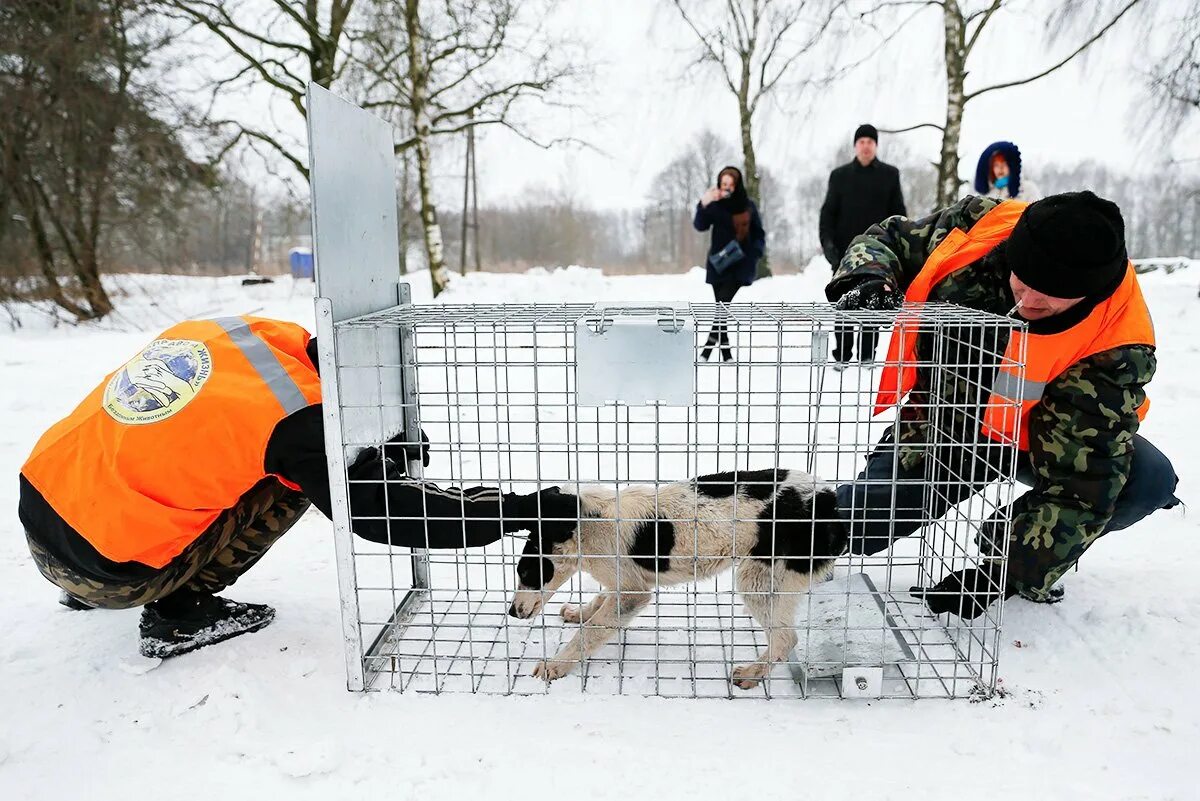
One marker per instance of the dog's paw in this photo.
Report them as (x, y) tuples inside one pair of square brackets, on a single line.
[(570, 613), (552, 669), (748, 676)]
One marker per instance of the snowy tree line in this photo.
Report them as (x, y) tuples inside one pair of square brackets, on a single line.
[(105, 165)]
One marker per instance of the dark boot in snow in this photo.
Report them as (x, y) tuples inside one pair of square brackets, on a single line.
[(185, 621), (706, 354), (71, 602), (1055, 595)]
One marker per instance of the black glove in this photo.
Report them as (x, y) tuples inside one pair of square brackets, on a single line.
[(398, 449), (551, 512), (394, 462), (966, 593), (874, 294)]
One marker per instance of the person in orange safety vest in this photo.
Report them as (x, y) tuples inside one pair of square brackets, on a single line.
[(182, 467), (1059, 265)]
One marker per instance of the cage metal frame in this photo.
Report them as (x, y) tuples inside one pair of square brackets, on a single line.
[(940, 658)]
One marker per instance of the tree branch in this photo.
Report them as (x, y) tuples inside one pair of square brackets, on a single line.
[(1008, 84), (709, 52), (987, 15), (913, 128), (260, 136)]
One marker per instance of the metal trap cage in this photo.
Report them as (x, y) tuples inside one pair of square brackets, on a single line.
[(619, 401), (524, 397)]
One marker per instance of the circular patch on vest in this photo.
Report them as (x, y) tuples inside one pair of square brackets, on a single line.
[(158, 382)]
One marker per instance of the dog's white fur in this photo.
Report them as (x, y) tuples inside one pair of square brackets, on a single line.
[(710, 535)]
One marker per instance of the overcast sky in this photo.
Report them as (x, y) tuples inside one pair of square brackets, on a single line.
[(651, 104), (645, 103)]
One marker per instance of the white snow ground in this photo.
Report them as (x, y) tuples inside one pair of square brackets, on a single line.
[(1099, 702)]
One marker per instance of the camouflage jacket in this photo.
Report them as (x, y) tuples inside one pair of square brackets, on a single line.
[(1081, 433)]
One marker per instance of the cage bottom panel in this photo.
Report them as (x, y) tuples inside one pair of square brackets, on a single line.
[(456, 640)]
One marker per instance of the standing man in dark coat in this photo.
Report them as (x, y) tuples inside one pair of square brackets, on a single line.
[(862, 193)]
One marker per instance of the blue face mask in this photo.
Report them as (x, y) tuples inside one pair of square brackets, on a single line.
[(1001, 183)]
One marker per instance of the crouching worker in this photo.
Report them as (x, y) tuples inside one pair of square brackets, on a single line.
[(1059, 264), (183, 467)]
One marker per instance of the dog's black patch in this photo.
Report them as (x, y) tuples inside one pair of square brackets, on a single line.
[(534, 570), (653, 541), (761, 484), (757, 484), (807, 534)]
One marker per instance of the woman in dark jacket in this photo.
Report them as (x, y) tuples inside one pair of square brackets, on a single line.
[(731, 215)]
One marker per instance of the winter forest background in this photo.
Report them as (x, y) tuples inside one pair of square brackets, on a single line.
[(167, 136)]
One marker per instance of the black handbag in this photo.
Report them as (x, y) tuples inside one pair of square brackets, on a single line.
[(725, 257)]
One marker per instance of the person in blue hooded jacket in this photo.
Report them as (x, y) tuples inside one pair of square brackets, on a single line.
[(733, 217), (998, 174)]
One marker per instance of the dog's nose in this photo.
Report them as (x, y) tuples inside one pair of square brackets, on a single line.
[(512, 611)]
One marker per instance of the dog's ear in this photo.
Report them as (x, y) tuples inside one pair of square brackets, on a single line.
[(560, 511), (830, 533), (534, 568)]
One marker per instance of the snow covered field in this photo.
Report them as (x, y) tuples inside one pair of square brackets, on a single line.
[(1097, 701)]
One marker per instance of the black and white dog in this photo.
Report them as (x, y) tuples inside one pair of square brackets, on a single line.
[(781, 527)]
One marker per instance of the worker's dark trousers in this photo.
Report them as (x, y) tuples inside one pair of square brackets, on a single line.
[(885, 504), (229, 547)]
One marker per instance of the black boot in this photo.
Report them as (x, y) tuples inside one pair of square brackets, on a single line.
[(706, 354), (726, 351), (1053, 596), (187, 620)]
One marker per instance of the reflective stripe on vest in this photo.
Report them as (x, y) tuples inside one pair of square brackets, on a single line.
[(175, 436), (267, 364), (1014, 387), (1120, 320)]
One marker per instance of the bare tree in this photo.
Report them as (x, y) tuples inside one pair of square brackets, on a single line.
[(283, 44), (466, 64), (1175, 79), (757, 47), (677, 188), (83, 149), (963, 23)]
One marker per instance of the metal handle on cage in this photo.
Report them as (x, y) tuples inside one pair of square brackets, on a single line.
[(671, 317)]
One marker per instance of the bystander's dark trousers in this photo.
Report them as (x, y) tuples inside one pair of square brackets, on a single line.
[(843, 348), (843, 341), (722, 293)]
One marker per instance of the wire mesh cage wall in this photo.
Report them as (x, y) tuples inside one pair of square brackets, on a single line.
[(618, 404)]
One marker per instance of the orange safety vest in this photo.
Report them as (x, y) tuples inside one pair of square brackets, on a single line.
[(1122, 319), (174, 437)]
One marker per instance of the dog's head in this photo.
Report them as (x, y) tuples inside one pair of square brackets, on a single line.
[(547, 562)]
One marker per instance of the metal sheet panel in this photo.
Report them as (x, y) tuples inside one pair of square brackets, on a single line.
[(352, 176), (636, 355), (353, 180)]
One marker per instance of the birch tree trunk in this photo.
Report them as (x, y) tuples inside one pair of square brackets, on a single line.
[(956, 55), (439, 276), (750, 161), (404, 191)]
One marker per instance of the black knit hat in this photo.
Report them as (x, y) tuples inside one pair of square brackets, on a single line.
[(1070, 246), (867, 130)]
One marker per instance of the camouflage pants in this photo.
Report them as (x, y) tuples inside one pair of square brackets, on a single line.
[(228, 548)]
